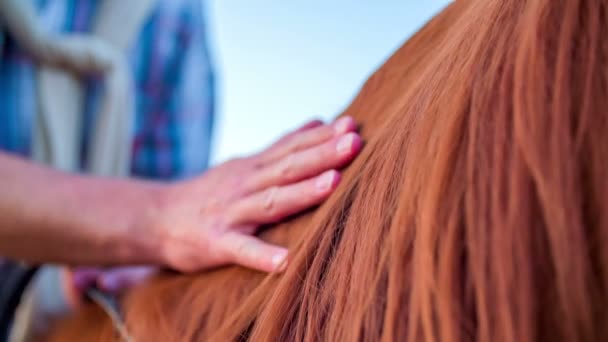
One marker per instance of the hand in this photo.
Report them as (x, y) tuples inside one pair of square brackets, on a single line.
[(210, 221)]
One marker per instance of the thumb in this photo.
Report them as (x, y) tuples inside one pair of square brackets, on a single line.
[(250, 251)]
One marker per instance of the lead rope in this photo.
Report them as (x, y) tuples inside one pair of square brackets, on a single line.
[(110, 307)]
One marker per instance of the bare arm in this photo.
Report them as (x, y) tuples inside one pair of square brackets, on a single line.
[(208, 221), (49, 216)]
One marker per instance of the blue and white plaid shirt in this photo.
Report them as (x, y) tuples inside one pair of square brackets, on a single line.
[(174, 87)]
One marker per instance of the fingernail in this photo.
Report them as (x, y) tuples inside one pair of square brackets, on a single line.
[(343, 125), (345, 144), (279, 261), (326, 180)]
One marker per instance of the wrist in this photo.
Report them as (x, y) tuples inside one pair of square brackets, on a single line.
[(148, 230)]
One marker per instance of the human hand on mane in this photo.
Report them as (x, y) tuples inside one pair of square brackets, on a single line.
[(210, 221)]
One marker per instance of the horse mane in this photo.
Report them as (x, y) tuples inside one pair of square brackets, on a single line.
[(478, 209)]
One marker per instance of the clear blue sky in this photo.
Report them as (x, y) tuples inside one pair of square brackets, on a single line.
[(282, 62)]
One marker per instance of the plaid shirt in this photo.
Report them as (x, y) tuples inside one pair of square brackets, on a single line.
[(173, 78)]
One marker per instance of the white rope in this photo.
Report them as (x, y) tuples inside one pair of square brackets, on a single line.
[(108, 305)]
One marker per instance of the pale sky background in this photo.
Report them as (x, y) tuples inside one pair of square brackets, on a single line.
[(283, 62)]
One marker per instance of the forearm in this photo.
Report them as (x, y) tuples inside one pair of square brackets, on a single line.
[(49, 216)]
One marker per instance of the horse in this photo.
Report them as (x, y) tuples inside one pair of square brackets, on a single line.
[(477, 210)]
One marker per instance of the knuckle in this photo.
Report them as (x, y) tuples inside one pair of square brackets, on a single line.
[(246, 250), (257, 162), (241, 250), (247, 185), (269, 202), (254, 161), (285, 168), (296, 143)]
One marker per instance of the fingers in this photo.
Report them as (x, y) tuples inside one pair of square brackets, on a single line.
[(301, 139), (251, 252), (278, 148), (119, 279), (308, 125), (277, 203), (332, 154)]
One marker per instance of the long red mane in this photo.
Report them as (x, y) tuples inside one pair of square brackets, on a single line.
[(478, 209)]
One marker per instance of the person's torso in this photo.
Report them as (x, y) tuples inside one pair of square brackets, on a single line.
[(173, 87)]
